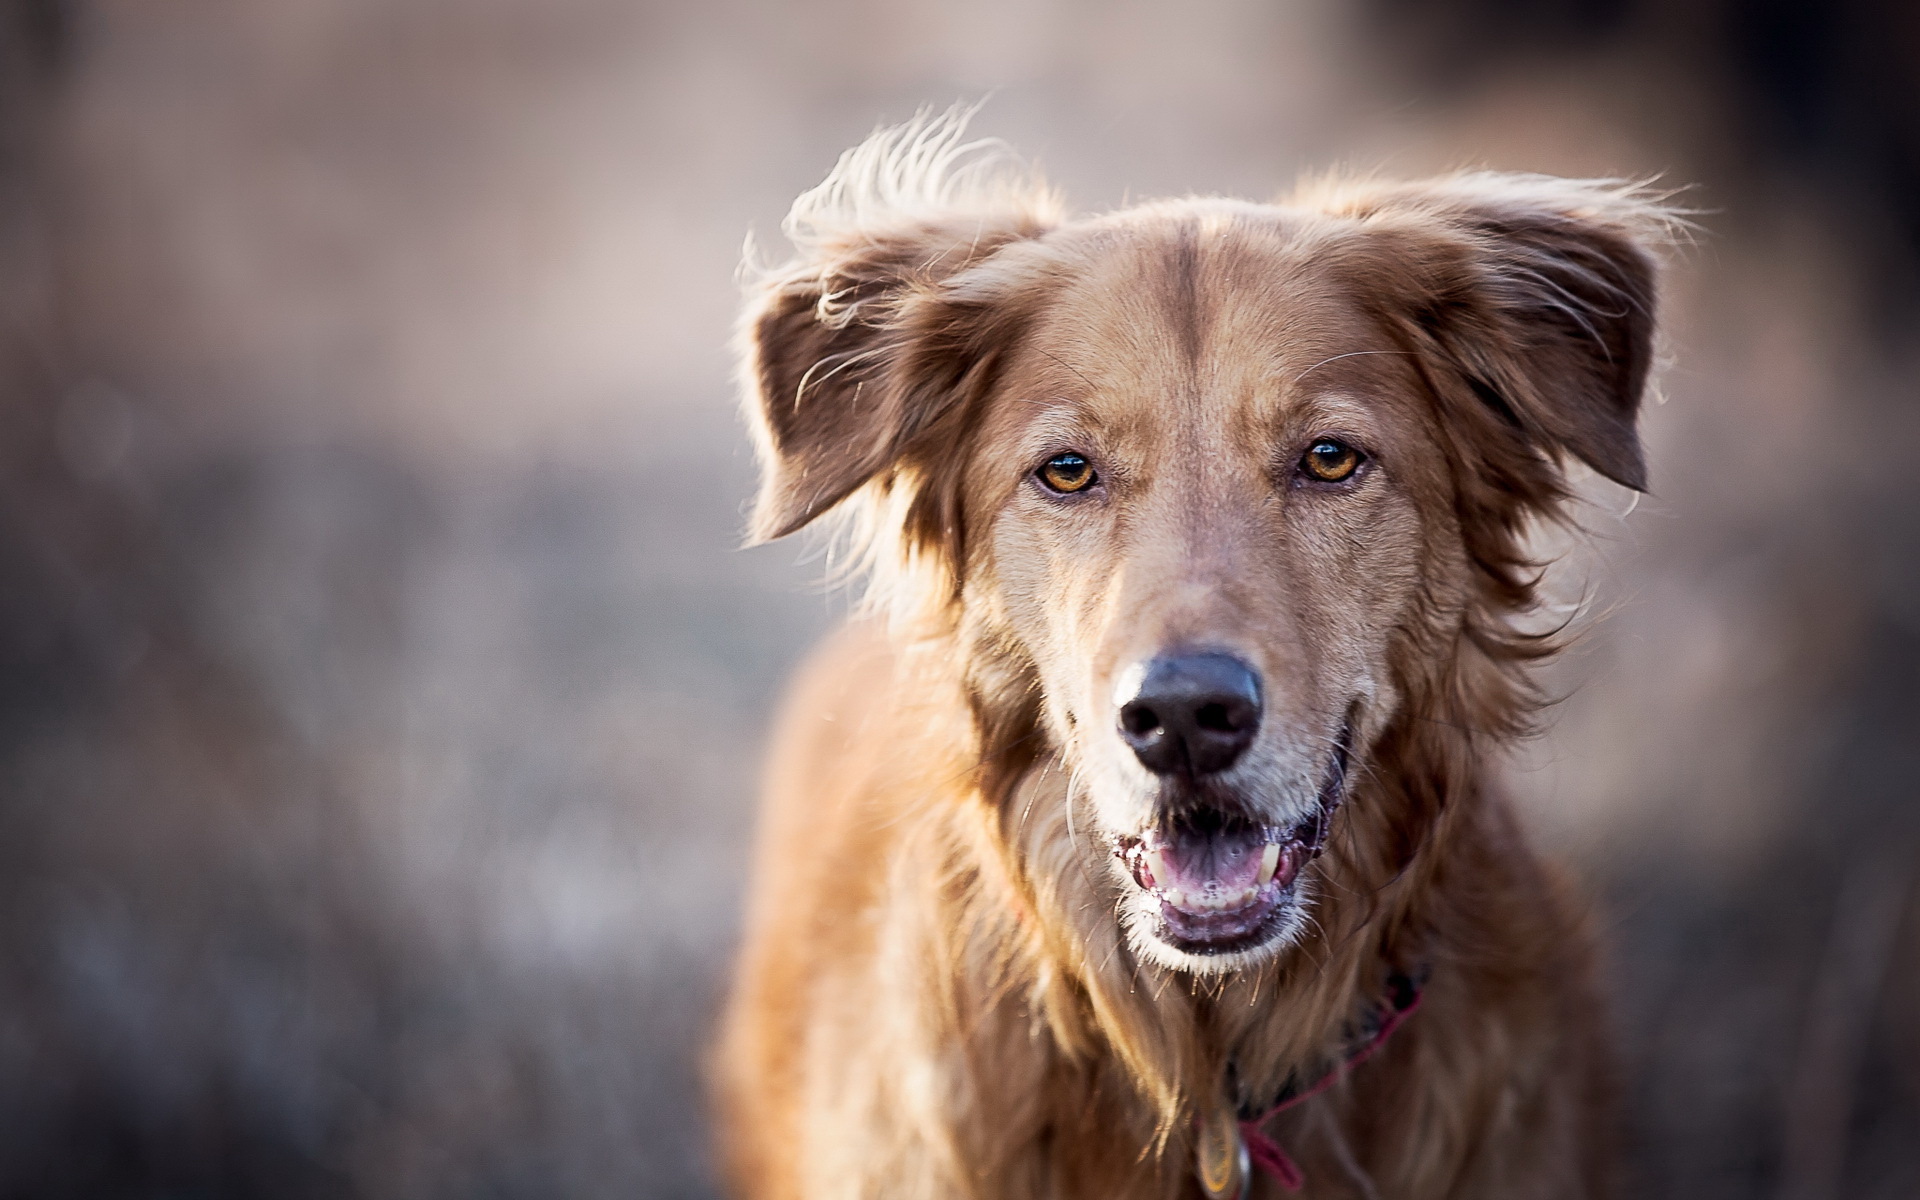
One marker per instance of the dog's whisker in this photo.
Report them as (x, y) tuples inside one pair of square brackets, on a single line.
[(1349, 354), (1070, 367)]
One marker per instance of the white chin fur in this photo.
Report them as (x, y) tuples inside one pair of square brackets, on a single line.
[(1140, 918)]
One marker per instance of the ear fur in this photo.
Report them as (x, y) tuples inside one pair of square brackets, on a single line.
[(1539, 292), (853, 352)]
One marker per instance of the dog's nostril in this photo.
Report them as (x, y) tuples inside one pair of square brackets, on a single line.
[(1214, 717), (1139, 720)]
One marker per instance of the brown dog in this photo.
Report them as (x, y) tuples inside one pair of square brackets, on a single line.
[(1152, 800)]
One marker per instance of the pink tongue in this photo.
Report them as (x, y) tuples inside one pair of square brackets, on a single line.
[(1231, 863)]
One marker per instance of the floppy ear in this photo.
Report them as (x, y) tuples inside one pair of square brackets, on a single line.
[(852, 354), (848, 364), (1539, 293)]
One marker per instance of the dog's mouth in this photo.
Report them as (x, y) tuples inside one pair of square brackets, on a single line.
[(1222, 879)]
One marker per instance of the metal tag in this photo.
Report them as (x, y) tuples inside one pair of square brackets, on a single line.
[(1220, 1156)]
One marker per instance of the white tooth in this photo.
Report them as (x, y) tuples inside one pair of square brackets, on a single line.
[(1175, 897), (1269, 863), (1246, 897), (1157, 867)]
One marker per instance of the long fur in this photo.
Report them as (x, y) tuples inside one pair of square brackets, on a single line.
[(937, 996)]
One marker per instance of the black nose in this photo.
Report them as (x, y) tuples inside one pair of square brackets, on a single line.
[(1193, 714)]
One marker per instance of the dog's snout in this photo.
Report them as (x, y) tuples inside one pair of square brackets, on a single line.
[(1191, 714)]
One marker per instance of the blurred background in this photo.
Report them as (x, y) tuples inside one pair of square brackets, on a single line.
[(381, 685)]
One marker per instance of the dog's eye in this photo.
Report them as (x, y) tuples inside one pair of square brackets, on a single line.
[(1330, 461), (1067, 473)]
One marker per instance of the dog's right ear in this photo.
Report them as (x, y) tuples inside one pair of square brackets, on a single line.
[(1537, 294), (852, 353)]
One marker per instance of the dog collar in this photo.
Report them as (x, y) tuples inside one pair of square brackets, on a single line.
[(1231, 1143)]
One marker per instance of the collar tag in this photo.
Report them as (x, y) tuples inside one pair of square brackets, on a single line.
[(1220, 1156)]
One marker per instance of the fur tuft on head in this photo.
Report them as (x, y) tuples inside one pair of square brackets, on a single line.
[(924, 172)]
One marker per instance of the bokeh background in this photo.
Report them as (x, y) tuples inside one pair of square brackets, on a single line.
[(381, 686)]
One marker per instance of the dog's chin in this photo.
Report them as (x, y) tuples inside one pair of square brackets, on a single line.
[(1263, 936), (1210, 889)]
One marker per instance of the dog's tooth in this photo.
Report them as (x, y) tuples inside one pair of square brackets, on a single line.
[(1157, 866), (1175, 897), (1269, 863)]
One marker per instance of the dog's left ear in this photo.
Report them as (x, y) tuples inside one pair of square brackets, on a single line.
[(1539, 293), (857, 354), (853, 358)]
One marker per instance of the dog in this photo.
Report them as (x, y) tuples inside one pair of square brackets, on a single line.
[(1139, 840)]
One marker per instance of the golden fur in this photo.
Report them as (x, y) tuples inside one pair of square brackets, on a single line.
[(947, 988)]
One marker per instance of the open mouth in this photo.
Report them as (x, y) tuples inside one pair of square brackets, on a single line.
[(1222, 878)]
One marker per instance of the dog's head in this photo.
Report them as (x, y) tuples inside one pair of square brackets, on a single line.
[(1209, 493)]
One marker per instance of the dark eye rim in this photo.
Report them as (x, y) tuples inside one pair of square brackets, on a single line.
[(1039, 476), (1305, 477)]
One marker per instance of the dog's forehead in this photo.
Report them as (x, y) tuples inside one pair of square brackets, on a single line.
[(1214, 309)]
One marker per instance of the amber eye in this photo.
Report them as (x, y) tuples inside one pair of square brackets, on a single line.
[(1067, 473), (1330, 461)]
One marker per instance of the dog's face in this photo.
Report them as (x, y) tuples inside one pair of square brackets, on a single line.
[(1219, 486), (1211, 494)]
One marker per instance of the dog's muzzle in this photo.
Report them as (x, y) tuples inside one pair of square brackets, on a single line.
[(1221, 877)]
